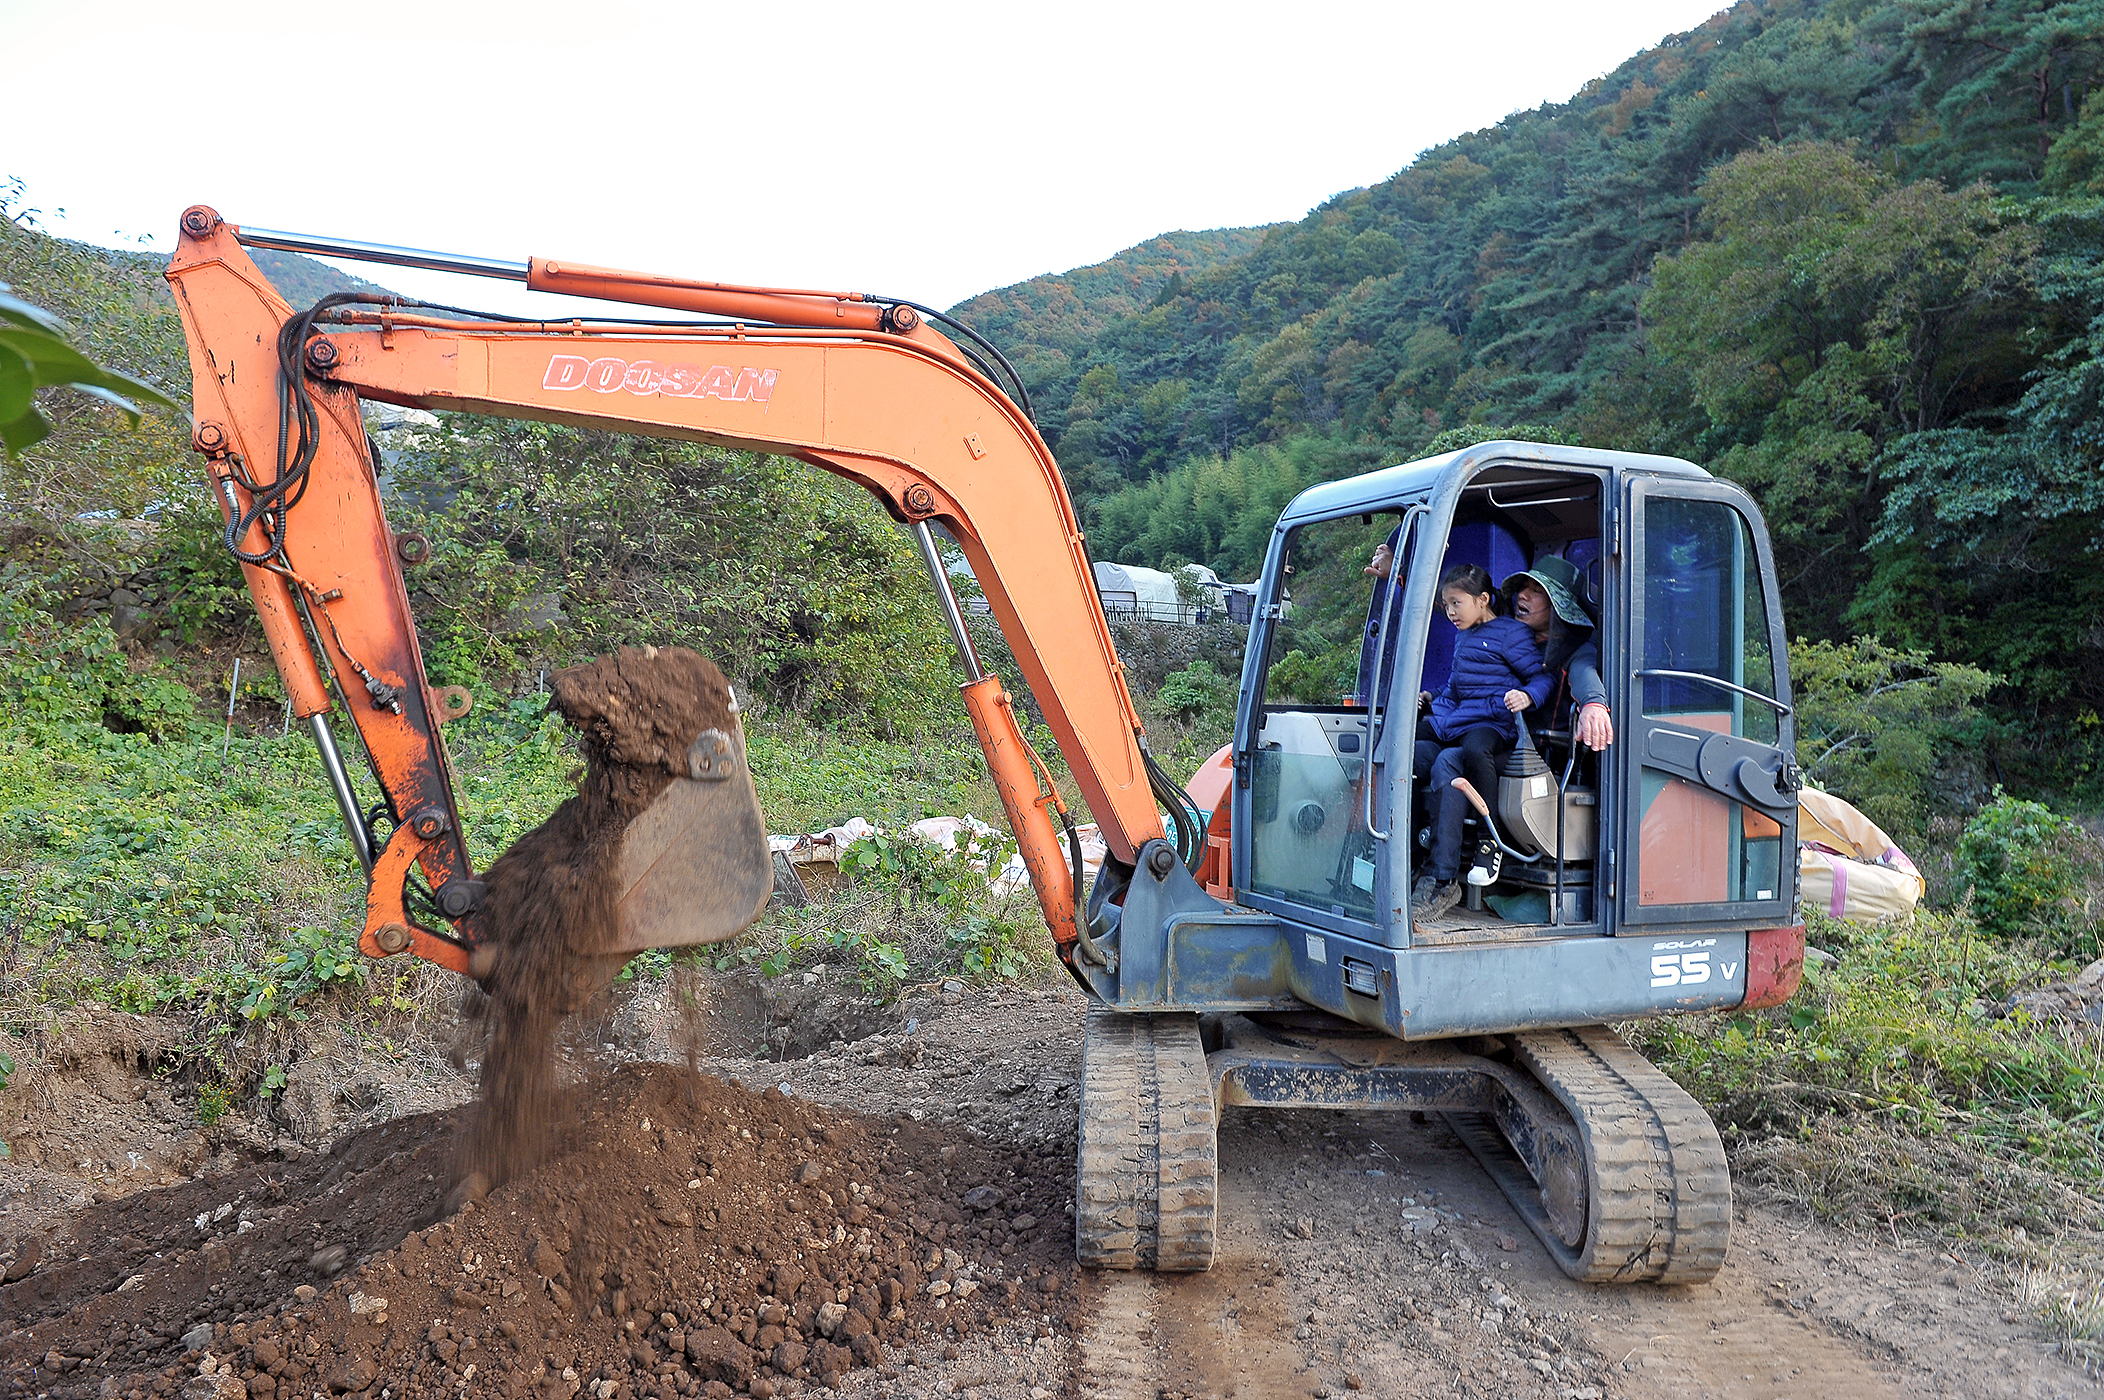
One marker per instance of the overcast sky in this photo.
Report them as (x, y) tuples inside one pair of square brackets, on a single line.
[(922, 150)]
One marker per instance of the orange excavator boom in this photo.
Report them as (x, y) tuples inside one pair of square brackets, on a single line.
[(859, 386)]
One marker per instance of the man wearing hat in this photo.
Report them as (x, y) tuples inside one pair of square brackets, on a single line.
[(1545, 600)]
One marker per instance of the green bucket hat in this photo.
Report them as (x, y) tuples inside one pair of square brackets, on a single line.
[(1560, 579)]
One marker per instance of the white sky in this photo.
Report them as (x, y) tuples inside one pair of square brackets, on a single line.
[(917, 149)]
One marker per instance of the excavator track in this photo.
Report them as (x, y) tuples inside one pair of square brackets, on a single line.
[(1146, 1195), (1658, 1197)]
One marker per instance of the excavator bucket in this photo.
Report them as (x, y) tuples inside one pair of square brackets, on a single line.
[(666, 822), (694, 866)]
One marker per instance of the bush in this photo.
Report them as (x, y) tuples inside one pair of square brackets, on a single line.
[(2029, 869), (1874, 721), (1892, 1086), (59, 673), (1199, 693)]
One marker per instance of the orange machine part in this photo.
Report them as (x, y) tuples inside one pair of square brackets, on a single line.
[(1209, 791), (1684, 838), (339, 555), (1008, 760), (901, 414), (1774, 966), (789, 307)]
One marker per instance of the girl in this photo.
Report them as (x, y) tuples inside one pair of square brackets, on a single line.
[(1497, 671)]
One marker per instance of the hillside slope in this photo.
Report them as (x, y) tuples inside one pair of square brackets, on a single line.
[(1849, 253), (1044, 320)]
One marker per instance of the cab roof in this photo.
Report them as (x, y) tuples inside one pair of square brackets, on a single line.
[(1420, 479)]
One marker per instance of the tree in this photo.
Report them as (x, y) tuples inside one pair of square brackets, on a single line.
[(1999, 79), (1832, 312)]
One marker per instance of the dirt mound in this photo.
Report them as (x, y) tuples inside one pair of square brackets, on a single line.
[(686, 1237), (550, 901)]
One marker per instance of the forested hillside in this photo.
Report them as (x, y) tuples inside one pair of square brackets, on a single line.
[(1047, 319), (1844, 252)]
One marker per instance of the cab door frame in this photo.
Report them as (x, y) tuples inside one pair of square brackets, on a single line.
[(1753, 775), (1380, 794)]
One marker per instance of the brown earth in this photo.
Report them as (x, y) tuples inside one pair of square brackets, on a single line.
[(549, 909), (684, 1237), (1353, 1246)]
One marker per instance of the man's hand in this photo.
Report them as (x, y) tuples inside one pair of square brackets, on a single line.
[(1517, 700), (1383, 562), (1596, 727)]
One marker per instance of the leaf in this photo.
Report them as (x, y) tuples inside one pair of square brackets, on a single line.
[(21, 431), (55, 361), (14, 308), (114, 400), (16, 384)]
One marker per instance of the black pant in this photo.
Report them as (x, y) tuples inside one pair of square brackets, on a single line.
[(1438, 762)]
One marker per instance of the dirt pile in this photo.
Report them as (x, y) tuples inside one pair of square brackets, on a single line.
[(685, 1237), (550, 902)]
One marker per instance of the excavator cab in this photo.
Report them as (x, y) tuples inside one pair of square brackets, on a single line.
[(1654, 877)]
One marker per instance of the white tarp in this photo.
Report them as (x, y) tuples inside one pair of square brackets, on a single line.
[(1132, 590), (1848, 866), (829, 846)]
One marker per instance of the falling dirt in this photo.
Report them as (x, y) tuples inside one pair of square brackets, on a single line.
[(550, 905)]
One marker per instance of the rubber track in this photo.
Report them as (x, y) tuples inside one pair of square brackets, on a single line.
[(1146, 1194), (1658, 1205)]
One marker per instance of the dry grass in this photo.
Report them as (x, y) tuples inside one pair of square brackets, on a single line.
[(1868, 1175)]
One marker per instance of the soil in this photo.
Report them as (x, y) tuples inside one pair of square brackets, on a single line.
[(1355, 1247), (685, 1236), (549, 906)]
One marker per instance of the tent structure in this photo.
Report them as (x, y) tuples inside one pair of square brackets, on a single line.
[(1130, 590)]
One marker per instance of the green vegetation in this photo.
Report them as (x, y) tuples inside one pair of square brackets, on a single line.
[(1870, 722), (1894, 1087), (2031, 872), (35, 354), (1848, 252)]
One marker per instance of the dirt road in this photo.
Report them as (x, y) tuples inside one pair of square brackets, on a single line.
[(1366, 1246), (1360, 1253)]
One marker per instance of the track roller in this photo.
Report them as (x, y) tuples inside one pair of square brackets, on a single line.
[(1657, 1205), (1146, 1195)]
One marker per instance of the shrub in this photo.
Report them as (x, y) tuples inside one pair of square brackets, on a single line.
[(1198, 692), (2029, 869), (1872, 721)]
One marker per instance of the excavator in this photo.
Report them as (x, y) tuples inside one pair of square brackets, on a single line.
[(1247, 940)]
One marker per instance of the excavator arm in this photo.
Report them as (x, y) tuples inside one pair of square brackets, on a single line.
[(860, 388)]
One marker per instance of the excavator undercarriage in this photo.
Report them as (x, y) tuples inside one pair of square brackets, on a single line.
[(1613, 1166)]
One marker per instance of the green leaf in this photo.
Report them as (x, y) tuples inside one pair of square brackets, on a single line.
[(23, 430), (54, 361), (114, 400), (16, 384), (16, 309)]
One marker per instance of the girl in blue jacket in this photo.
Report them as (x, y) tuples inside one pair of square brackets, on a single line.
[(1468, 728)]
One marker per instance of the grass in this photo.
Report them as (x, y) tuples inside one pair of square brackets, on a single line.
[(1891, 1091), (2069, 1300), (167, 874)]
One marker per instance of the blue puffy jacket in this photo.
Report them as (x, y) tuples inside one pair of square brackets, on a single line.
[(1489, 660)]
